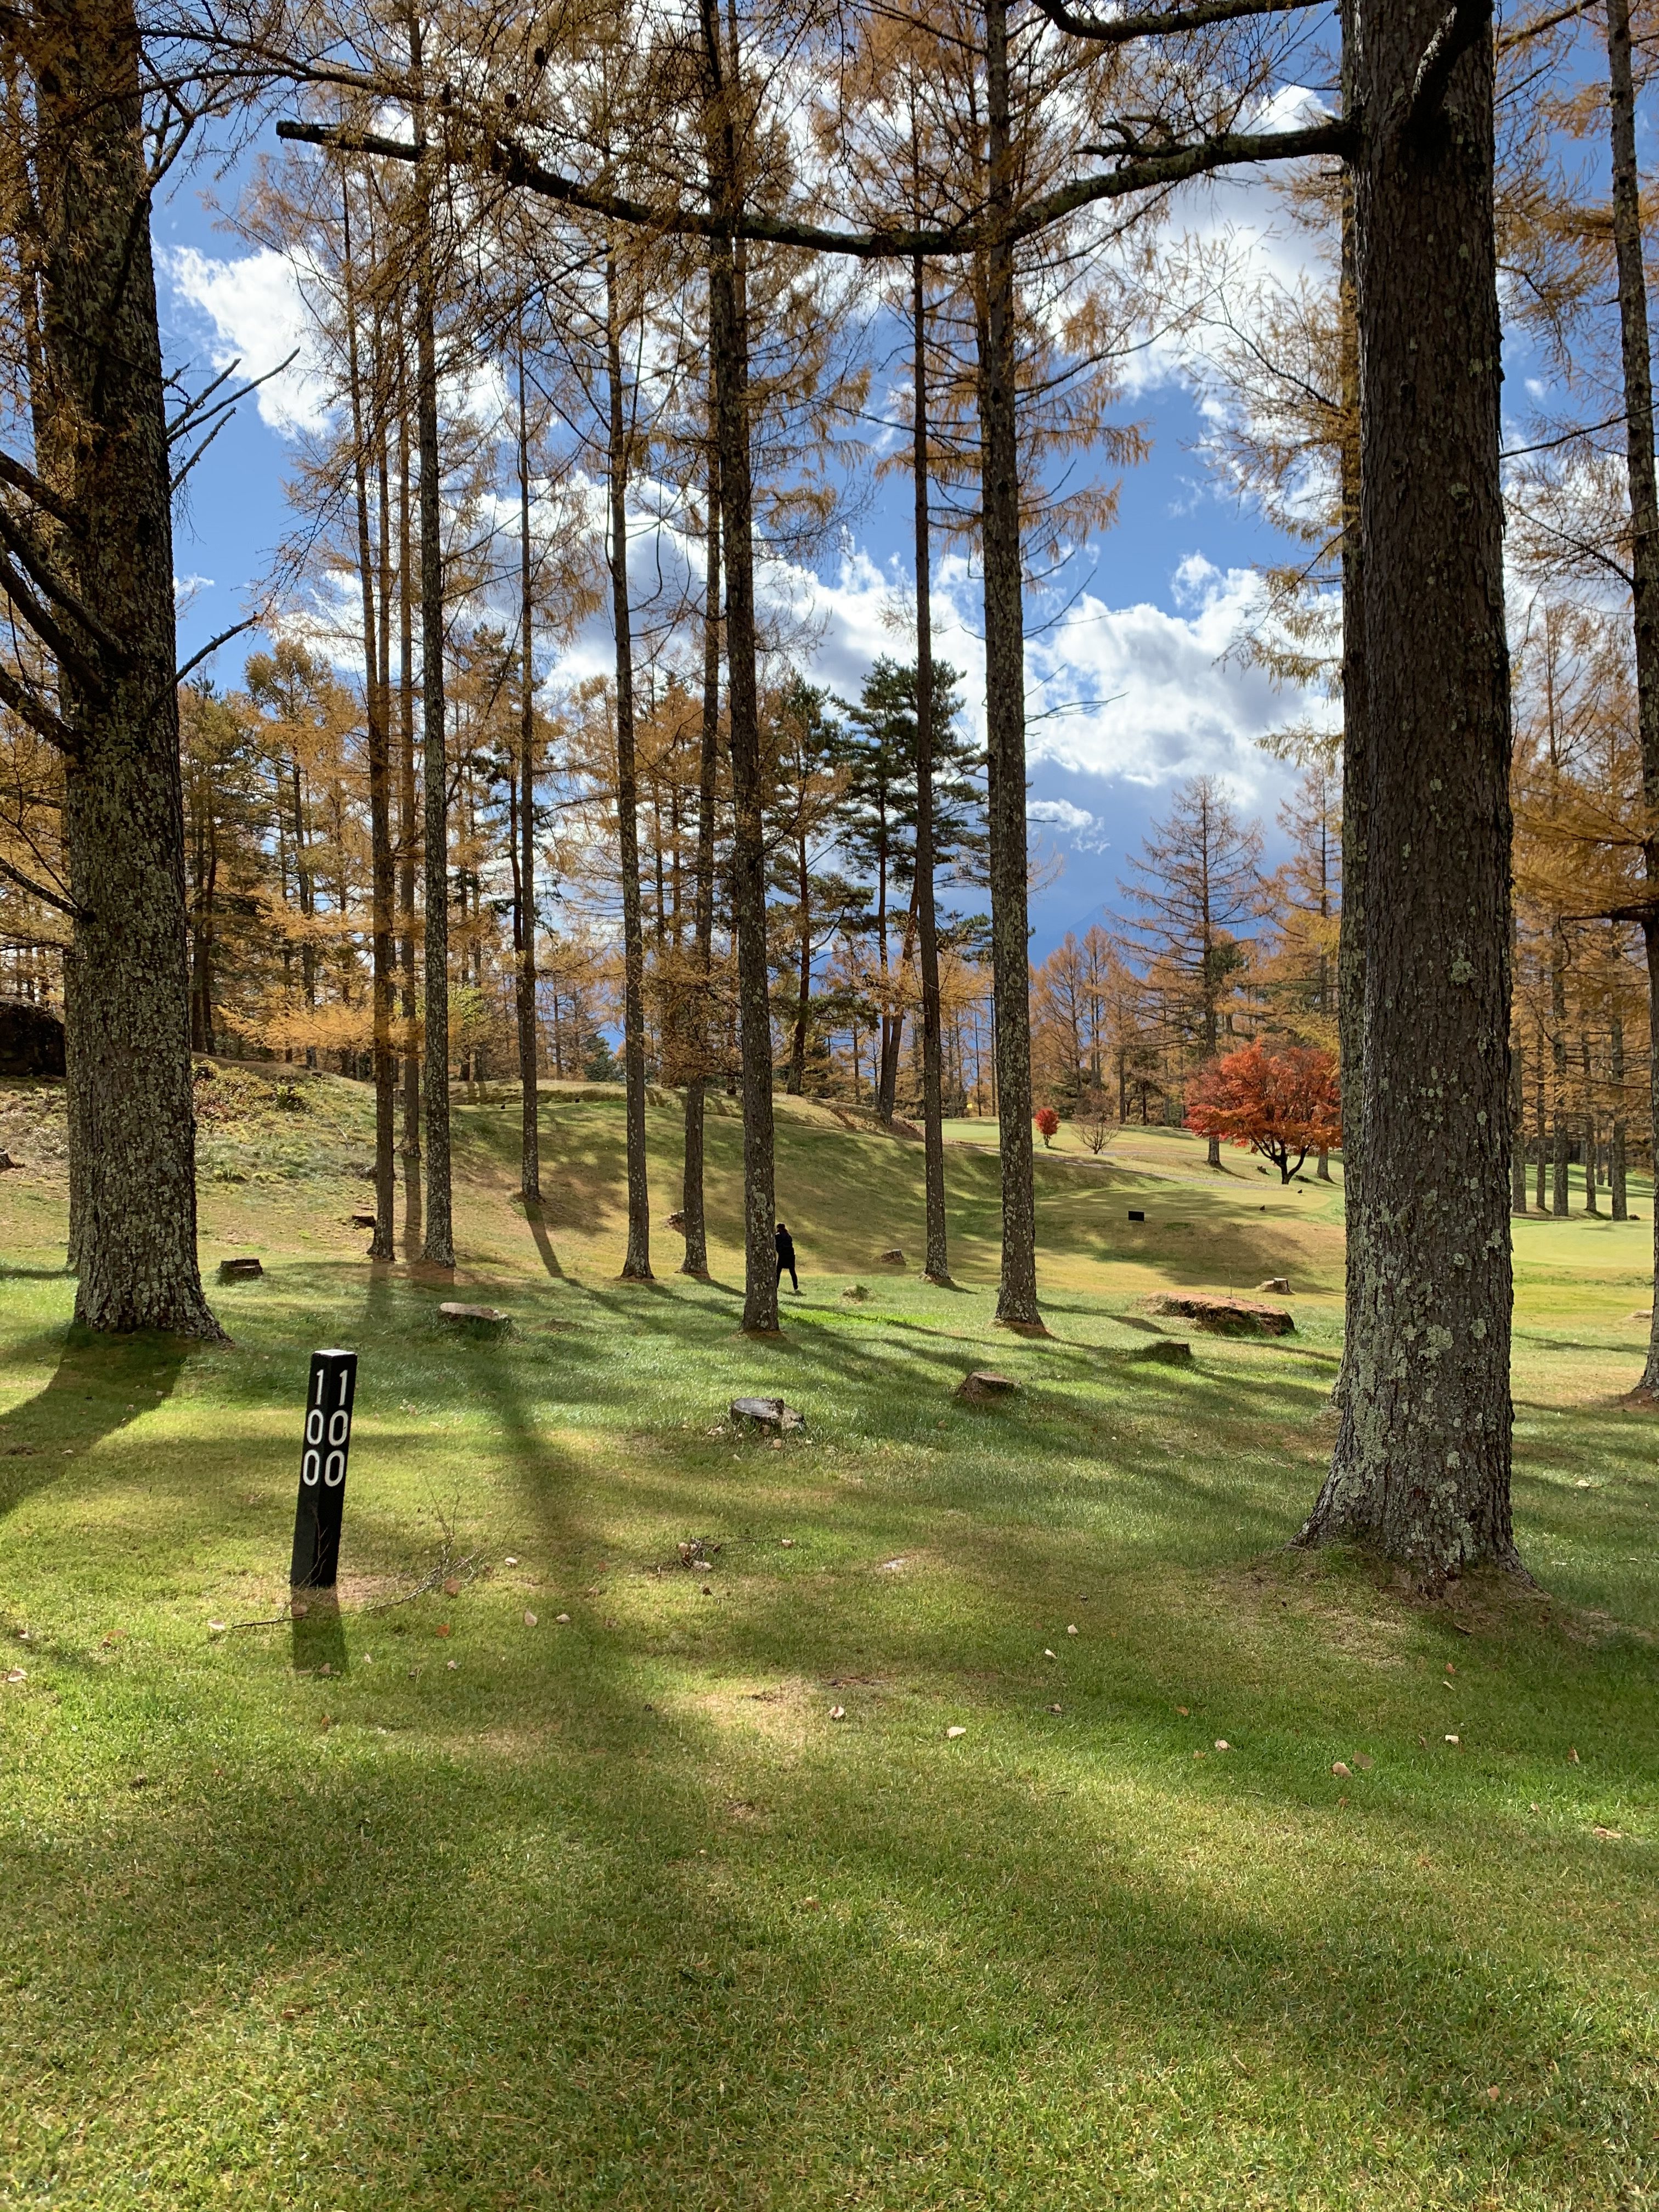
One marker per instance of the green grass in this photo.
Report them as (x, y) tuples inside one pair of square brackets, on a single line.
[(614, 1913)]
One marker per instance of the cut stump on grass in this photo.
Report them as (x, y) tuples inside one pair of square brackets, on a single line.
[(982, 1386), (1169, 1351), (239, 1270), (893, 1257), (766, 1414), (475, 1321), (1222, 1316), (1280, 1284)]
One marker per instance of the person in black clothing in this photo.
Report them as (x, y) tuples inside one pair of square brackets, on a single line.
[(785, 1244)]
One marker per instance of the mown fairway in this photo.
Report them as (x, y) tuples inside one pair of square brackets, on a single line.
[(436, 1907)]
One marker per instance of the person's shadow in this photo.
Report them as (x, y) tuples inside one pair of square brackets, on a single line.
[(101, 1383)]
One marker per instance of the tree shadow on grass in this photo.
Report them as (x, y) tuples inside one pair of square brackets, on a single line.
[(100, 1385)]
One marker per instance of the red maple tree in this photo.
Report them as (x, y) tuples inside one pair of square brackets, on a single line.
[(1048, 1123), (1277, 1103)]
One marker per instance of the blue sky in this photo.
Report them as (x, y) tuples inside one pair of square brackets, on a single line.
[(1135, 690)]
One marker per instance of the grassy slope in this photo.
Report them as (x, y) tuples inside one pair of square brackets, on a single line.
[(613, 1913)]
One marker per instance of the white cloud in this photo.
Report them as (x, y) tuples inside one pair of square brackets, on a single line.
[(1155, 695), (1060, 815), (257, 310)]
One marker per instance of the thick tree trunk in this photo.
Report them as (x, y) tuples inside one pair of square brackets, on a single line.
[(1004, 705), (691, 1205), (1422, 1470), (529, 1143), (636, 1262), (1356, 785), (102, 447), (1643, 481), (936, 1265), (440, 1250), (729, 354)]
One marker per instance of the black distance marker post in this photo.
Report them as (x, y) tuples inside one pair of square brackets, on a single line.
[(317, 1517)]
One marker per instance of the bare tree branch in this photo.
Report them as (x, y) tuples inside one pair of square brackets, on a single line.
[(1146, 172), (1164, 23)]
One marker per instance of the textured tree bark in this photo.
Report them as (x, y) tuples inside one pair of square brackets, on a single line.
[(1422, 1468), (728, 352), (936, 1265), (1636, 348), (102, 446), (636, 1262), (1005, 705), (1355, 784), (530, 1144), (440, 1251), (1518, 1130), (696, 1235)]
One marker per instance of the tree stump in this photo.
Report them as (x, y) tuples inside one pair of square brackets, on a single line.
[(983, 1385), (891, 1258), (1222, 1316), (475, 1321), (1168, 1351), (239, 1270), (1281, 1284), (766, 1414)]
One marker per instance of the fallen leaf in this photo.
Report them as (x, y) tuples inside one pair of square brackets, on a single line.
[(443, 1628), (139, 1782), (788, 1543), (1451, 1669), (563, 1618), (707, 1591), (1046, 1653), (17, 1675), (451, 1588), (1572, 1758), (1454, 1740), (451, 1664), (509, 1561), (1054, 1708), (530, 1621), (951, 1734), (1609, 1835), (1222, 1744), (810, 1904), (1341, 1766), (1492, 2095), (1532, 1808), (216, 1628), (837, 1712), (1071, 1628), (1363, 1760), (327, 1720), (1182, 1709)]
